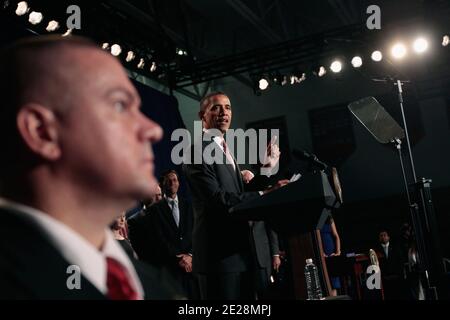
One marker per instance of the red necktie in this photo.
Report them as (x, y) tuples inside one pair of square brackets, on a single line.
[(119, 287)]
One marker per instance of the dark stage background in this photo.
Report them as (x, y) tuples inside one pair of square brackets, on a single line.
[(358, 221)]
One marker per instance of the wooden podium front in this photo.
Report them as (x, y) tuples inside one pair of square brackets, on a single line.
[(302, 247), (297, 211)]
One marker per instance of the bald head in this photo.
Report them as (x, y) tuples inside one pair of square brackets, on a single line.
[(32, 70), (74, 140), (39, 70)]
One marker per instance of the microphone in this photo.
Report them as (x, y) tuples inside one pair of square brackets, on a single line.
[(311, 158)]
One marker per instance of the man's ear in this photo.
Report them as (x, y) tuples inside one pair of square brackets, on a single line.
[(37, 126)]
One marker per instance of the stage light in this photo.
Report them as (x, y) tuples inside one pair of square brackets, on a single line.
[(293, 79), (377, 56), (116, 50), (281, 80), (319, 71), (67, 33), (420, 45), (357, 62), (153, 67), (130, 56), (277, 78), (398, 51), (52, 26), (297, 77), (445, 40), (22, 8), (180, 52), (105, 46), (322, 71), (301, 76), (141, 64), (35, 17), (263, 84), (336, 66), (5, 4)]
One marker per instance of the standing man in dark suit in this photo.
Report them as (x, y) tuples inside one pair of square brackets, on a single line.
[(142, 230), (76, 152), (173, 222), (391, 266), (265, 245), (267, 255), (223, 257)]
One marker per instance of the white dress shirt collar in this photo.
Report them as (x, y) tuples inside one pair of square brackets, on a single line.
[(78, 251), (386, 249), (219, 141), (169, 199), (216, 138)]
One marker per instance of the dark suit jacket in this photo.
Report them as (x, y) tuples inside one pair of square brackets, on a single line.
[(220, 241), (142, 232), (32, 268), (392, 265), (173, 240), (266, 244)]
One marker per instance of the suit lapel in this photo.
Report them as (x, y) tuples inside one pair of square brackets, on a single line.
[(38, 265), (233, 171), (239, 178), (228, 167), (181, 207), (235, 174)]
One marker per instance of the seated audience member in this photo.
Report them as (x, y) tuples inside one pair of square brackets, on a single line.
[(119, 229), (145, 205), (142, 230), (75, 151)]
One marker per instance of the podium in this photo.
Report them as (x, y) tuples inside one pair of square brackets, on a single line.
[(297, 211)]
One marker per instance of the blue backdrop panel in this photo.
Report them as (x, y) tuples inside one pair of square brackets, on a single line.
[(163, 109)]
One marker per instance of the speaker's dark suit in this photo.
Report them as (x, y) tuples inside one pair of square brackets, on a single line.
[(32, 268), (220, 241), (265, 242)]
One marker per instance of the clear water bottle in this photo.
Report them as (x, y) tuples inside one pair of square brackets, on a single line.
[(312, 281)]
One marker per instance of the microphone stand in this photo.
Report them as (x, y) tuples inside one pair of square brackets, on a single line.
[(422, 214)]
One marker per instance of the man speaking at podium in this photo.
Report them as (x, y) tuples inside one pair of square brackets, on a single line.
[(222, 255)]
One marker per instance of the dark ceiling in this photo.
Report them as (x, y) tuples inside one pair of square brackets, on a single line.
[(238, 37)]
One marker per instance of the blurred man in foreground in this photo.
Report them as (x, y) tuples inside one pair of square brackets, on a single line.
[(76, 151)]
